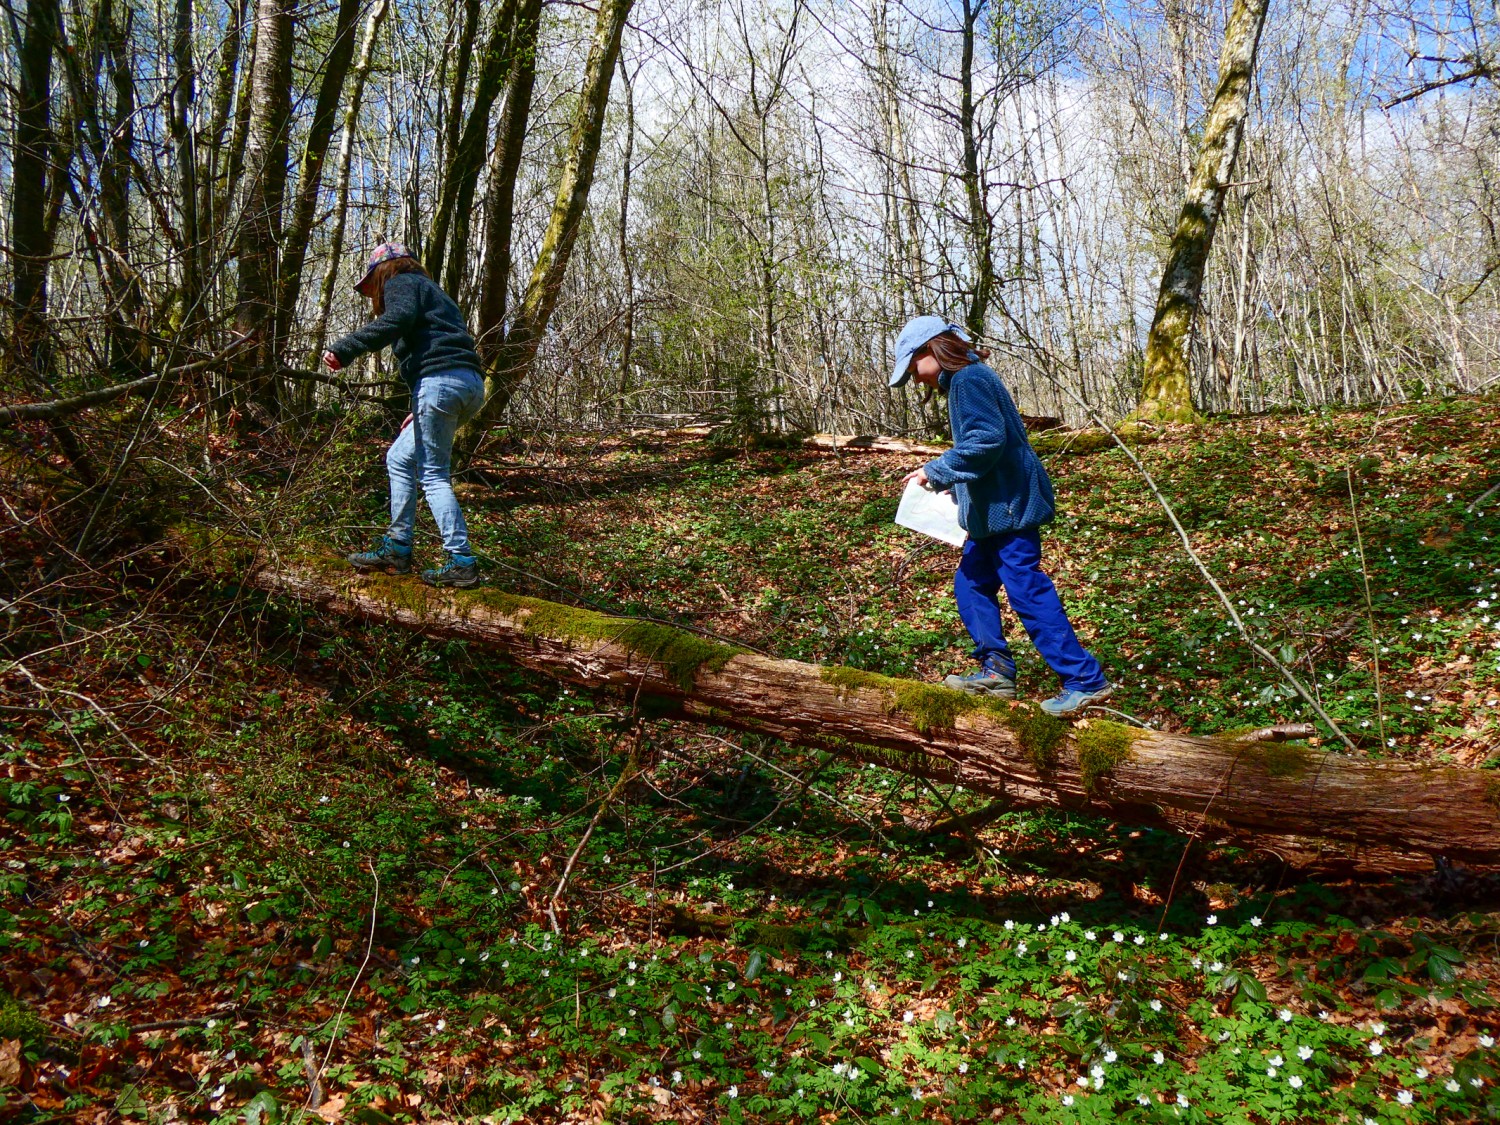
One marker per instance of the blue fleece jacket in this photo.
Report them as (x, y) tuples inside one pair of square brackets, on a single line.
[(424, 325), (995, 475)]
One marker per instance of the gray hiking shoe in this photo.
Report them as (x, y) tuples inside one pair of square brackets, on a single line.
[(986, 681), (459, 570), (387, 555), (1070, 701)]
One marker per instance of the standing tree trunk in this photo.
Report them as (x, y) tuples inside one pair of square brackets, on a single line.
[(516, 354), (216, 165), (31, 244), (466, 157), (187, 162), (234, 161), (494, 285), (129, 350), (33, 215), (346, 161), (260, 224), (627, 266), (1166, 391), (446, 151), (310, 176), (211, 142), (980, 221)]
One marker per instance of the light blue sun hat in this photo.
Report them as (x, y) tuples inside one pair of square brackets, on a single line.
[(916, 333)]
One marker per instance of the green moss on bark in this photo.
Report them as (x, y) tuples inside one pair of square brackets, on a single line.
[(1102, 745), (679, 652), (1279, 759), (1040, 735), (1079, 442), (840, 676), (930, 707)]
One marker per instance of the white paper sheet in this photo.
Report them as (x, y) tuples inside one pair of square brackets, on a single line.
[(931, 513)]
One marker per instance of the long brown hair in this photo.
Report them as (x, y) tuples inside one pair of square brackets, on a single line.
[(953, 353), (384, 272)]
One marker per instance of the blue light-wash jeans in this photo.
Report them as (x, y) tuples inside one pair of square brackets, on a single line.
[(423, 454), (1014, 560)]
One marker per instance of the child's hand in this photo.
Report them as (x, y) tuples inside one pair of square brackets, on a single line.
[(918, 475), (406, 423), (331, 362)]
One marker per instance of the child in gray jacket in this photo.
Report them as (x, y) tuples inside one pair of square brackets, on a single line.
[(438, 361)]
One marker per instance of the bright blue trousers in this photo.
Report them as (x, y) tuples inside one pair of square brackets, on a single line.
[(1014, 560)]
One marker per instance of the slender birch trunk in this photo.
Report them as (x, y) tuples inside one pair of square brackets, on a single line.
[(981, 223)]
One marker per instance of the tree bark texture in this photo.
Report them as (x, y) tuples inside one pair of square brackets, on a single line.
[(214, 187), (1323, 808), (516, 354), (346, 161), (31, 244), (265, 191), (310, 169), (981, 224), (1166, 391), (494, 285), (450, 226), (187, 160)]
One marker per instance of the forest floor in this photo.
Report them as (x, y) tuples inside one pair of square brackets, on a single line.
[(263, 864)]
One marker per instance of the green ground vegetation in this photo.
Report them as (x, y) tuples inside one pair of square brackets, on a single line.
[(255, 836)]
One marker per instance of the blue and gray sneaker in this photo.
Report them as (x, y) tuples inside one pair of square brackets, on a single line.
[(986, 681), (387, 555), (459, 570), (1070, 701)]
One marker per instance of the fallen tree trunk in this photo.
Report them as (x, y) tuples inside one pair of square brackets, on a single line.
[(1314, 807), (62, 407), (871, 443)]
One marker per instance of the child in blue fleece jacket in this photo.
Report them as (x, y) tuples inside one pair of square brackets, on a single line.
[(1004, 495)]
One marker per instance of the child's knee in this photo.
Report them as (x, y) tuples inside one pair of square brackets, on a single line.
[(398, 459)]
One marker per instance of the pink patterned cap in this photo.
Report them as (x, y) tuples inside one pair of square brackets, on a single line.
[(385, 252)]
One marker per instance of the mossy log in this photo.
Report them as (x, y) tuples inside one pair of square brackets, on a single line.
[(1315, 808)]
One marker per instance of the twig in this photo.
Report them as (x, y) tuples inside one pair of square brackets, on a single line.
[(369, 947), (168, 1025), (1364, 573), (1187, 546), (632, 767), (807, 785), (1128, 718), (100, 711), (958, 822), (314, 1087), (1182, 859), (62, 407), (1475, 506), (1281, 732)]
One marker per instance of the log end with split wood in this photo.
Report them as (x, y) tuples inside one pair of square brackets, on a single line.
[(1313, 807)]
